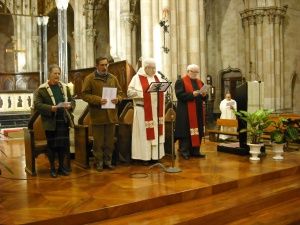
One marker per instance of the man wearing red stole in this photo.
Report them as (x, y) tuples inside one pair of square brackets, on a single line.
[(145, 131), (191, 94)]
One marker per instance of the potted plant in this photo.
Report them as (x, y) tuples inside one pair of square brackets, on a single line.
[(284, 131), (257, 122)]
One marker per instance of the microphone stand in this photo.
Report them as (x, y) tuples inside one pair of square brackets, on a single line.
[(158, 143), (171, 169)]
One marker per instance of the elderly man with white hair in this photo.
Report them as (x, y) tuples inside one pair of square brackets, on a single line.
[(145, 131), (191, 94)]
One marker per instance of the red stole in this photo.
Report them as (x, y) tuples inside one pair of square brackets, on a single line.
[(193, 121), (148, 109)]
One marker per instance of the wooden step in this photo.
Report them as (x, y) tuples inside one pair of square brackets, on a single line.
[(225, 207), (280, 214)]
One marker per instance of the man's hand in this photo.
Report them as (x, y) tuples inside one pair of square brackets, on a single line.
[(103, 101), (53, 108), (115, 101)]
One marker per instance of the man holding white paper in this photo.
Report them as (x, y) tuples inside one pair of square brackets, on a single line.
[(102, 91), (227, 107), (191, 92)]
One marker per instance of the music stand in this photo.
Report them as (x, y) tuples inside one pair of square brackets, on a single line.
[(158, 87)]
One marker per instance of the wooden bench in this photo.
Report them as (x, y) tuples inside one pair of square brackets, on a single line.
[(84, 138), (35, 142), (215, 133)]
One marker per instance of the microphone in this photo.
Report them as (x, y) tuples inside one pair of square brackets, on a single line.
[(162, 76)]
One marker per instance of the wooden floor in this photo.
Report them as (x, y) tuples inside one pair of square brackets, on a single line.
[(220, 189)]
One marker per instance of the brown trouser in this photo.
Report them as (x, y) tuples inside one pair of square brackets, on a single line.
[(103, 145)]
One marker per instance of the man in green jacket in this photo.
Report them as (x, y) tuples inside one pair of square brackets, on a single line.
[(54, 103), (103, 111)]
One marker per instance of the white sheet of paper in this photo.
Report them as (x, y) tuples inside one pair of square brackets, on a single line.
[(109, 94), (204, 89), (63, 104)]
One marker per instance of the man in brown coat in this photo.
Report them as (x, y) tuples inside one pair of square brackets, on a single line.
[(103, 118)]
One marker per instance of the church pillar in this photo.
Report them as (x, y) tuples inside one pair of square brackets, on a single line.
[(265, 54), (90, 40), (193, 32), (80, 35), (127, 33), (182, 36), (115, 30), (277, 63), (259, 68), (173, 41), (203, 43), (90, 34), (245, 22), (146, 29), (165, 39)]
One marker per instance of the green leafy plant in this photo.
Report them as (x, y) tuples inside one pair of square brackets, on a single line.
[(257, 122), (285, 130)]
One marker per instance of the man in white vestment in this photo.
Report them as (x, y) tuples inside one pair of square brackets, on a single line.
[(145, 130), (227, 106)]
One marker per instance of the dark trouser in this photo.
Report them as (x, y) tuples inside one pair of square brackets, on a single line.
[(61, 156), (58, 141), (186, 148), (103, 143)]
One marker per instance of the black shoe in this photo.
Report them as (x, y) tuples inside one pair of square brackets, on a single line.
[(186, 157), (53, 173), (110, 167), (99, 167), (198, 155), (62, 171)]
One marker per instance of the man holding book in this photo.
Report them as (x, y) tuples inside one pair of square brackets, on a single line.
[(227, 107)]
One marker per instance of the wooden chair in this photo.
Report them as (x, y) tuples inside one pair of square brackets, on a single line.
[(124, 133), (83, 139), (170, 117), (226, 123), (35, 142)]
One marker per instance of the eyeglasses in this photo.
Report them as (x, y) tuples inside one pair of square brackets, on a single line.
[(151, 68), (194, 71)]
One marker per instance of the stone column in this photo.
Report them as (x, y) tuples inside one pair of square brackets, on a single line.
[(80, 35), (174, 41), (259, 43), (146, 29), (277, 63), (182, 37), (90, 34), (252, 42), (203, 43), (266, 49), (193, 32), (90, 40), (128, 22), (166, 54)]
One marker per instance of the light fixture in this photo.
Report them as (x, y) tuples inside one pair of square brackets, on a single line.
[(165, 25)]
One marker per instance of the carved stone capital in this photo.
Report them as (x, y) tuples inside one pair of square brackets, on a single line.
[(255, 15), (128, 18)]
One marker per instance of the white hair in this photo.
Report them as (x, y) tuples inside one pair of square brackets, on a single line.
[(192, 67), (148, 62)]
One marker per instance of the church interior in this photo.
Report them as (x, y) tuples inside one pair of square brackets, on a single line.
[(247, 48)]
